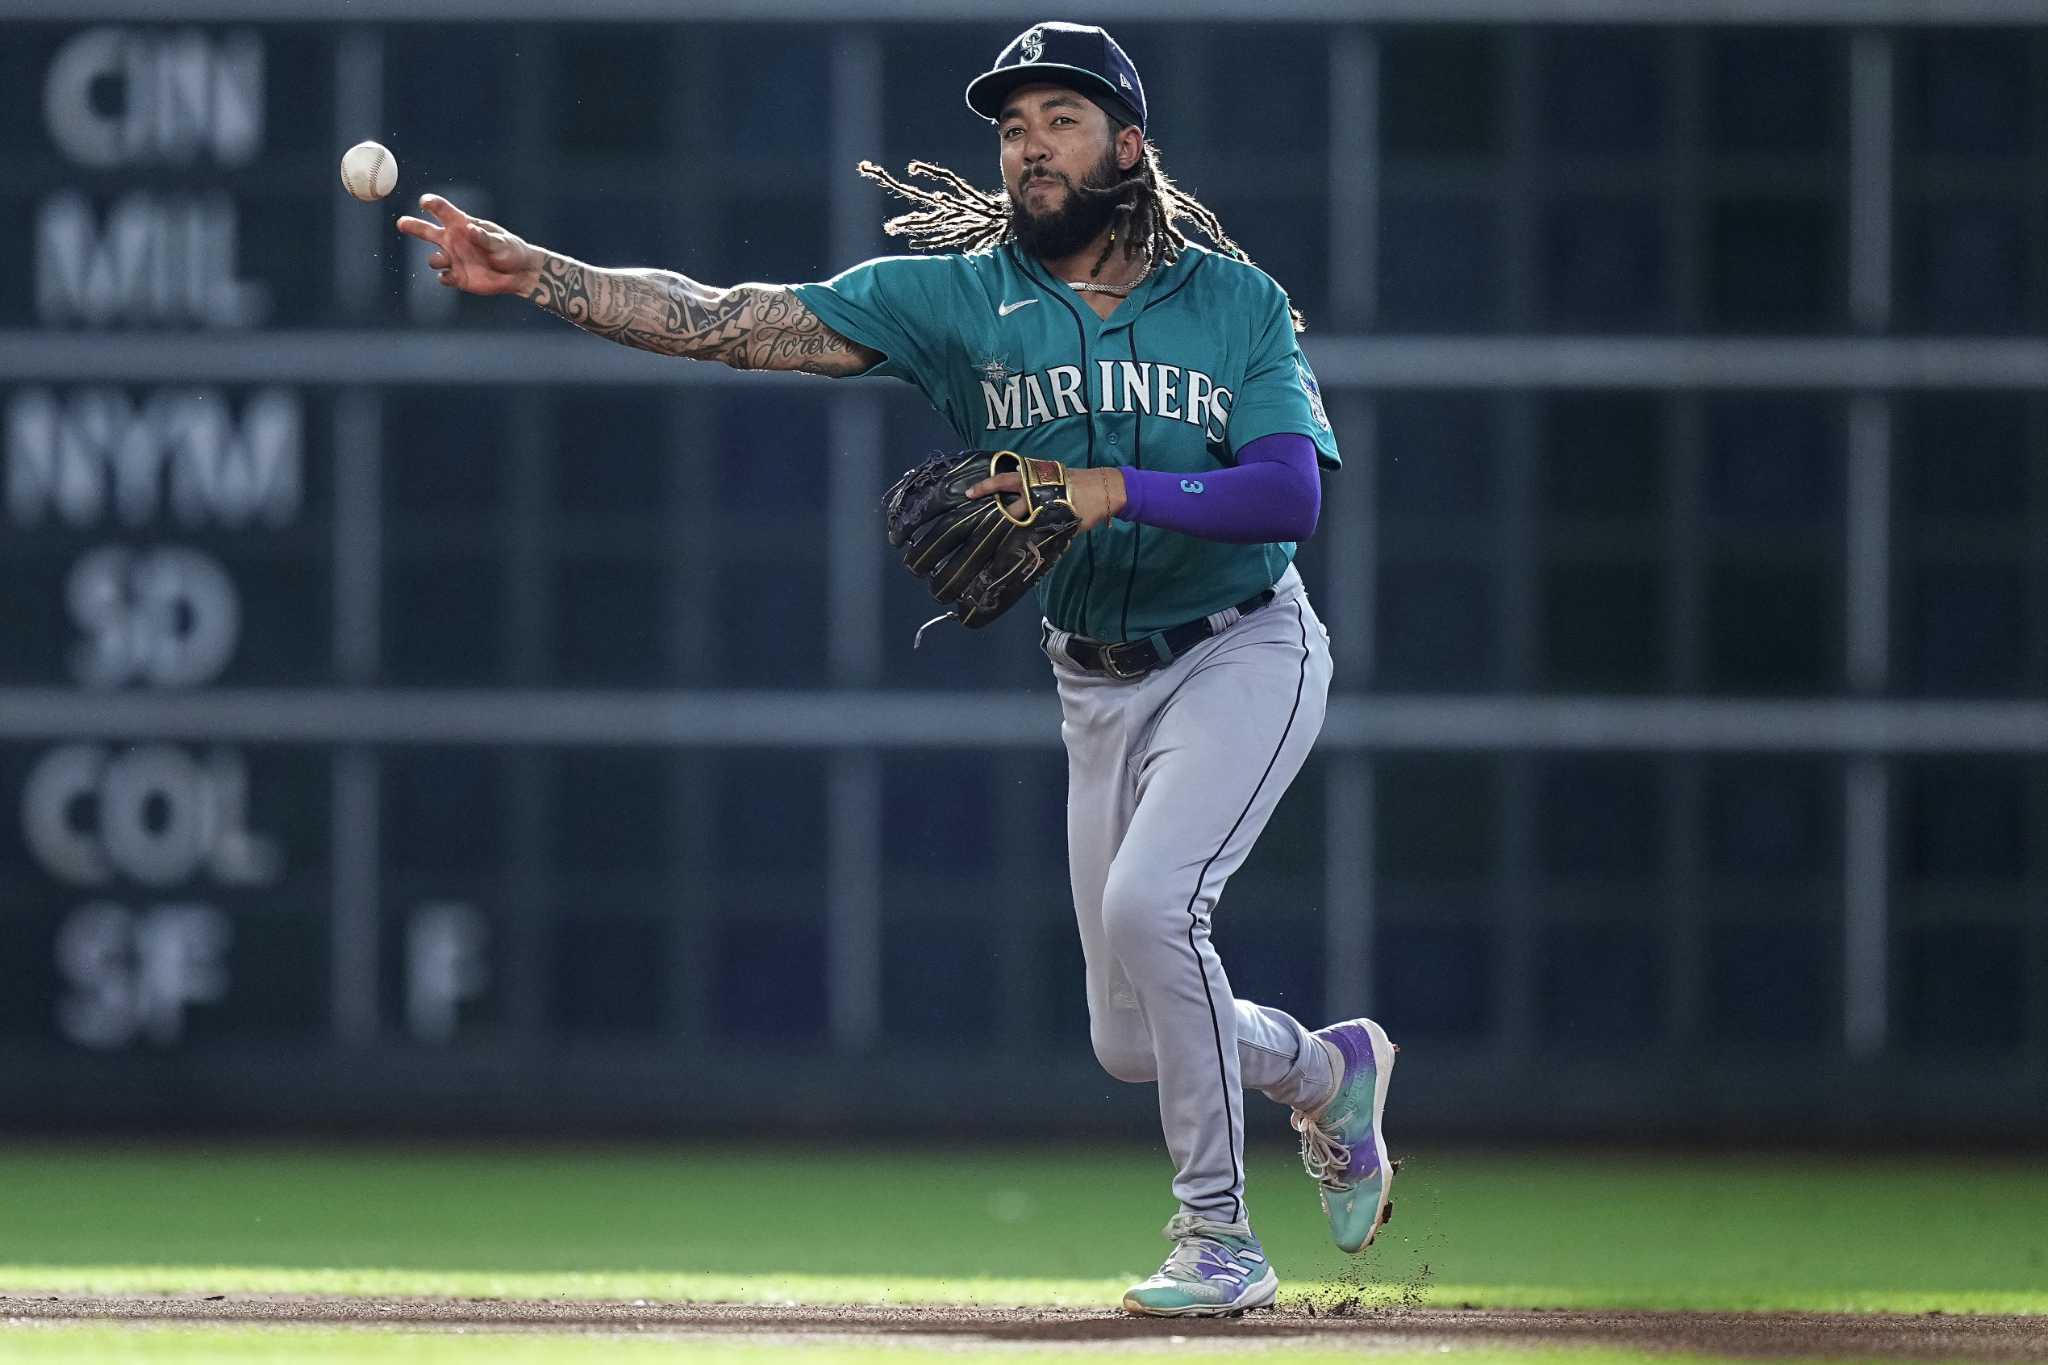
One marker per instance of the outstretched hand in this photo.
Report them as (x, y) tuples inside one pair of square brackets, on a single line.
[(474, 255)]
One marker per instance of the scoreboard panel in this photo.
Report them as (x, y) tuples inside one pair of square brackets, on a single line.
[(161, 894)]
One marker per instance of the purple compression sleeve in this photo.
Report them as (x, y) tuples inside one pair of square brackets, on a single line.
[(1273, 493)]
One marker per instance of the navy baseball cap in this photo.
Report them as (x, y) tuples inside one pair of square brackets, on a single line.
[(1079, 56)]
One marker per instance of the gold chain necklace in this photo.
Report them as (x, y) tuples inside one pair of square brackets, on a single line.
[(1119, 290)]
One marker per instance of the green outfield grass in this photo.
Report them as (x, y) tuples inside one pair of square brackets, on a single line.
[(1060, 1225), (1048, 1225)]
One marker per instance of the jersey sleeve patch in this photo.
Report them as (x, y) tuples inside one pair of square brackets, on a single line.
[(1313, 390)]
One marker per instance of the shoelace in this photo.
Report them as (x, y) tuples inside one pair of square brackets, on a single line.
[(1194, 1235), (1321, 1153)]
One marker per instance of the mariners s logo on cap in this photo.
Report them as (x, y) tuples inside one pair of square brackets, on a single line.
[(1080, 57)]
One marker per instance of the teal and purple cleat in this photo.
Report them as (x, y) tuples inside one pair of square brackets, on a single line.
[(1342, 1147), (1216, 1270)]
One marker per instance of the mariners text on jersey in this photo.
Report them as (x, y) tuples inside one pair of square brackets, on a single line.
[(1169, 391)]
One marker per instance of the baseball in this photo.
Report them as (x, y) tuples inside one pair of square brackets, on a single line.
[(369, 171)]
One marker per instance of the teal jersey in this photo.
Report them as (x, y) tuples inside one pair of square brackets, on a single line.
[(1196, 363)]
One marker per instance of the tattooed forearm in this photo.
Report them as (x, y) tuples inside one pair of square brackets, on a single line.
[(749, 326)]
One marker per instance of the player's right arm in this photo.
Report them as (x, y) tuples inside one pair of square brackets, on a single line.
[(747, 326)]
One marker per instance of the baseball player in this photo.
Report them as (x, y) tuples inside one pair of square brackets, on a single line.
[(1069, 318)]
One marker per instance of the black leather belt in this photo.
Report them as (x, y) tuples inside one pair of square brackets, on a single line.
[(1133, 659)]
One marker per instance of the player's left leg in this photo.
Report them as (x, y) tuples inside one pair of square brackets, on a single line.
[(1232, 726)]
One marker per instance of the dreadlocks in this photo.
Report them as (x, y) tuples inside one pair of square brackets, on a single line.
[(1144, 220)]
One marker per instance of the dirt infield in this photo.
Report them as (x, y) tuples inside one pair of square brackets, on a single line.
[(1887, 1336)]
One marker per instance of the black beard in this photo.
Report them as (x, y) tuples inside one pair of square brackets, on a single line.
[(1078, 221)]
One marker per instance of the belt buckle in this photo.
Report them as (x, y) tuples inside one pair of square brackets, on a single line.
[(1116, 670)]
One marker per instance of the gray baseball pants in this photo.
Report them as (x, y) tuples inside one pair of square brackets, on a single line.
[(1170, 780)]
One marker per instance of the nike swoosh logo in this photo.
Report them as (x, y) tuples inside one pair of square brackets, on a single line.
[(1004, 310)]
